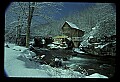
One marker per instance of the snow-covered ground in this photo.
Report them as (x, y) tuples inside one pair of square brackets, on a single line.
[(96, 75), (16, 68)]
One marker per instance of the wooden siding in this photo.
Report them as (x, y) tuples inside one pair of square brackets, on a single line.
[(75, 34)]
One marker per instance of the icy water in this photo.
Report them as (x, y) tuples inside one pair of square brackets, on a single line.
[(93, 64)]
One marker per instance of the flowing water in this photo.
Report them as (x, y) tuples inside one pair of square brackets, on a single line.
[(92, 64), (95, 64)]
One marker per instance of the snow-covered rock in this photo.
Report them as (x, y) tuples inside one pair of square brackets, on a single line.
[(51, 46), (56, 42), (61, 73), (91, 37), (96, 75), (93, 28), (77, 58), (54, 46), (26, 54), (31, 42), (78, 51)]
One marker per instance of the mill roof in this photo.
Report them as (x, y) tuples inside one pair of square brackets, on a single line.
[(72, 25)]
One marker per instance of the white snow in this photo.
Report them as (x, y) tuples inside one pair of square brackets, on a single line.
[(77, 58), (101, 46), (72, 25), (19, 48), (56, 46), (93, 28), (31, 42), (91, 37), (27, 54), (55, 42), (96, 75), (42, 56), (16, 68), (52, 46), (78, 51)]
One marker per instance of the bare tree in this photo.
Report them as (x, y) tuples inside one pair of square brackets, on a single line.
[(14, 27), (30, 15), (43, 10)]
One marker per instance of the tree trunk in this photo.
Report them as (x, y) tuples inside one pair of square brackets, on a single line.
[(18, 30), (31, 10)]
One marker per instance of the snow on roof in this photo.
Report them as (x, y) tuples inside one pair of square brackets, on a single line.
[(72, 25)]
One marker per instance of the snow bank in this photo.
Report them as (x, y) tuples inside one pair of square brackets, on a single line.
[(17, 68), (96, 75), (78, 51), (61, 73), (27, 53), (51, 46), (77, 59), (93, 28), (19, 48), (55, 46)]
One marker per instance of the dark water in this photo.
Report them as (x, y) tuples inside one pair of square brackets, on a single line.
[(92, 64), (96, 64)]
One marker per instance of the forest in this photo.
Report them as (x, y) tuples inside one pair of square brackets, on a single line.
[(38, 19)]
